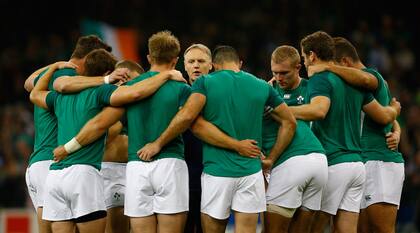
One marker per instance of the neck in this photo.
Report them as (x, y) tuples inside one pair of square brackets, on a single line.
[(76, 61), (229, 66), (296, 84), (161, 67), (321, 62), (359, 65)]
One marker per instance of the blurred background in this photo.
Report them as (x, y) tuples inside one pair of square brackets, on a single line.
[(37, 33)]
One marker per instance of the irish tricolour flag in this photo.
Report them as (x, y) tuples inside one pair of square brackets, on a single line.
[(123, 40)]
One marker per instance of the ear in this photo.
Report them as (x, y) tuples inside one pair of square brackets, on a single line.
[(175, 61), (149, 59), (346, 61), (240, 64), (298, 66), (216, 67), (312, 56)]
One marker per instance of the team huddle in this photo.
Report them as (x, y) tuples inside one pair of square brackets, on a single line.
[(304, 154)]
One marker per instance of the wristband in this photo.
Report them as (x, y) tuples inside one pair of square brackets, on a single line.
[(72, 146), (106, 79)]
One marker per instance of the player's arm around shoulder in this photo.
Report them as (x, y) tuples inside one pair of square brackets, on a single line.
[(383, 114), (39, 94)]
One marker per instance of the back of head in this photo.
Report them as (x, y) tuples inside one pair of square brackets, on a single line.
[(86, 44), (225, 54), (343, 48), (99, 62), (285, 53), (163, 47), (131, 65), (320, 43)]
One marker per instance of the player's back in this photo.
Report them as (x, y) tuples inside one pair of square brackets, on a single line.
[(339, 132), (373, 134), (73, 111), (235, 104), (148, 118), (45, 124)]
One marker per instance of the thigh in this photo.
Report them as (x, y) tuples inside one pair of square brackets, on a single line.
[(144, 224), (94, 226), (213, 225), (345, 222), (63, 227), (171, 223), (117, 222), (246, 222), (382, 217)]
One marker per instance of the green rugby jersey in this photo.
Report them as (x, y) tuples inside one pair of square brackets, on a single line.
[(304, 141), (148, 118), (373, 134), (235, 103), (339, 132), (45, 124), (73, 111)]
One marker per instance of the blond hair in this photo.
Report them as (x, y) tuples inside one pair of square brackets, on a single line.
[(285, 53), (201, 47), (163, 47)]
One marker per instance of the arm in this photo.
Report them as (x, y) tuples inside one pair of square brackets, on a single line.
[(29, 82), (209, 133), (353, 76), (317, 109), (182, 120), (127, 94), (393, 138), (71, 84), (90, 132), (114, 131), (284, 136), (380, 114), (40, 91)]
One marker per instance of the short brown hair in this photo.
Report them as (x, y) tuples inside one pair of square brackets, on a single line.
[(343, 48), (225, 53), (284, 53), (320, 43), (99, 62), (86, 44), (131, 65), (163, 47)]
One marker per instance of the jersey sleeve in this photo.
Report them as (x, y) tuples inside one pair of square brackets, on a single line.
[(50, 100), (104, 93), (184, 94), (199, 87), (319, 86), (60, 73), (367, 98), (274, 98)]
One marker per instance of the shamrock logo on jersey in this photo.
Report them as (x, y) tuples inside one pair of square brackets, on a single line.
[(300, 99)]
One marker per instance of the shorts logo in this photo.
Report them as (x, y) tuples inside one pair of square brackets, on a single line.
[(117, 196), (368, 197)]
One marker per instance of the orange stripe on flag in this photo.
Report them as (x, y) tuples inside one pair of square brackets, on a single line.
[(128, 43)]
